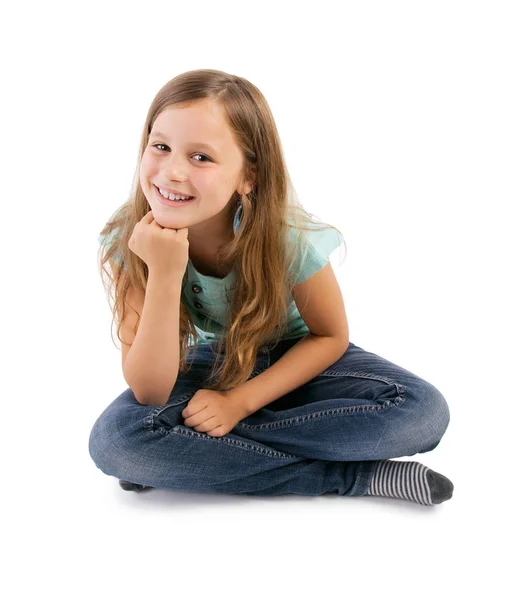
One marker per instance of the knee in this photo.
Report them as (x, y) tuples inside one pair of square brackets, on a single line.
[(437, 410), (100, 441), (110, 438), (426, 417)]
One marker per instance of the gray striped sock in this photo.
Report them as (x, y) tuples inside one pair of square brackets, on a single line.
[(409, 480)]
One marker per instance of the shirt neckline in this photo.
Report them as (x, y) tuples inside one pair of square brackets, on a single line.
[(202, 276)]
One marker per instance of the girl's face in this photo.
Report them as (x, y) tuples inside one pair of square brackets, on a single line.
[(191, 150)]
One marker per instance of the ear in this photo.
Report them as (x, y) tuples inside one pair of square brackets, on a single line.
[(248, 186), (252, 182)]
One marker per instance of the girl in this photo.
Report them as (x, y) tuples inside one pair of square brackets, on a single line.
[(212, 258)]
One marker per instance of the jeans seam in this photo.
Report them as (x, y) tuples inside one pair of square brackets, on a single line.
[(301, 420), (330, 412), (148, 425), (356, 483), (148, 420), (363, 374), (226, 439), (361, 472)]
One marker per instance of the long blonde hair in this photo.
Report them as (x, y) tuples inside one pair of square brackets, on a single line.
[(268, 243)]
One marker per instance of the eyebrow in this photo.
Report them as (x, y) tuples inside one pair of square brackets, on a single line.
[(199, 144)]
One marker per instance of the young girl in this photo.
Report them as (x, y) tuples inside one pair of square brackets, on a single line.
[(213, 259)]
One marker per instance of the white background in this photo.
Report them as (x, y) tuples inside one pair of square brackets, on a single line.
[(400, 126)]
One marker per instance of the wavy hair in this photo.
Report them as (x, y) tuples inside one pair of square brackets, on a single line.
[(266, 247)]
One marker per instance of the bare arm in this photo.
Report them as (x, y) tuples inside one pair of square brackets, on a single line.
[(152, 362), (309, 357)]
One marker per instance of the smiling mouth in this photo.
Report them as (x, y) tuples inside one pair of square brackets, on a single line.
[(171, 203), (159, 192)]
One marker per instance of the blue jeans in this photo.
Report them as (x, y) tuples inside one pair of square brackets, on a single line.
[(324, 436)]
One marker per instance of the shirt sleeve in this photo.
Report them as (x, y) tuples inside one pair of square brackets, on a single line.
[(314, 251), (108, 239)]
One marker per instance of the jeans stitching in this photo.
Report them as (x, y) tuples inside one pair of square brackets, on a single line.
[(329, 373), (331, 412), (148, 424), (185, 431), (148, 420), (182, 430), (356, 483)]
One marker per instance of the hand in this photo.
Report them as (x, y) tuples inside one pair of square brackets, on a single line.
[(164, 250), (214, 413)]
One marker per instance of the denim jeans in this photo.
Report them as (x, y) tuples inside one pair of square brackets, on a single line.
[(322, 437)]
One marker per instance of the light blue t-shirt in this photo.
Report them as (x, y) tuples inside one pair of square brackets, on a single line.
[(208, 298)]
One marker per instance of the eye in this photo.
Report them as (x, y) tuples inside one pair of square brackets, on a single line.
[(198, 154), (204, 156)]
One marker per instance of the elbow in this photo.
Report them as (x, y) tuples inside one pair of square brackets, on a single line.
[(346, 341), (152, 397), (342, 342), (147, 395), (147, 400)]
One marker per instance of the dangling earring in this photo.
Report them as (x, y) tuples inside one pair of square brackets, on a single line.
[(238, 214)]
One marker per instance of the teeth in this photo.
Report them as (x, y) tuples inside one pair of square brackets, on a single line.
[(172, 196)]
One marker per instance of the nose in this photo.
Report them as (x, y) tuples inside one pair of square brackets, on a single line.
[(175, 168)]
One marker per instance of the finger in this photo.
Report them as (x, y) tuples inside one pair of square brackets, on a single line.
[(191, 411), (200, 422), (148, 217), (183, 232), (195, 420), (207, 425), (155, 224), (217, 432)]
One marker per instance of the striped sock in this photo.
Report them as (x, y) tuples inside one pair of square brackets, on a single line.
[(409, 480)]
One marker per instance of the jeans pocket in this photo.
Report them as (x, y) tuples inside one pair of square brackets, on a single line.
[(179, 399), (162, 419)]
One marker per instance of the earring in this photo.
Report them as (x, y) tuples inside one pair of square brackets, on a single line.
[(238, 215)]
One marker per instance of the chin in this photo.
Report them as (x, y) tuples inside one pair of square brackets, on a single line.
[(166, 220), (162, 220)]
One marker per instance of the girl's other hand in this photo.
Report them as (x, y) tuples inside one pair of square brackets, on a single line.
[(214, 413), (163, 250)]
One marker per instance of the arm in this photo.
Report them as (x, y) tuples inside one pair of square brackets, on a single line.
[(301, 363), (320, 304), (152, 363)]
